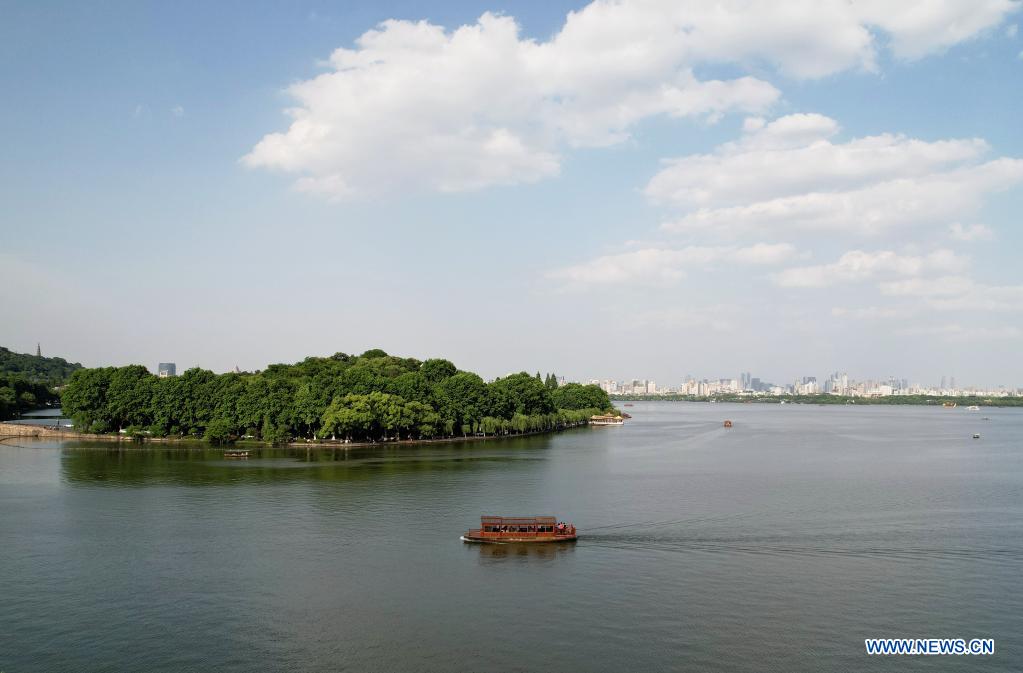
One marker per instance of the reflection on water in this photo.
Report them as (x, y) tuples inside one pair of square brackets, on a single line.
[(200, 464), (548, 551)]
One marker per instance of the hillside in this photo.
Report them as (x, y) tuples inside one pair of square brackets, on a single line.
[(35, 368)]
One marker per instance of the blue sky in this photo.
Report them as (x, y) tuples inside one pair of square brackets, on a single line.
[(845, 192)]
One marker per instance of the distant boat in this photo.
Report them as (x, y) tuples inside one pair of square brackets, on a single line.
[(236, 453), (949, 405), (728, 424), (630, 405), (606, 419), (973, 408), (976, 435)]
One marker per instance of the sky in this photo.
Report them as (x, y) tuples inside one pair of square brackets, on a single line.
[(606, 190)]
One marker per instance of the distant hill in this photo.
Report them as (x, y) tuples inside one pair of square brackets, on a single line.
[(35, 368)]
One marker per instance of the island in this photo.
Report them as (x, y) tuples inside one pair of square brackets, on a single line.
[(373, 397)]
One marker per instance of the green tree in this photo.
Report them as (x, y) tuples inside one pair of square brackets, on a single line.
[(464, 398), (576, 396), (527, 394), (436, 370)]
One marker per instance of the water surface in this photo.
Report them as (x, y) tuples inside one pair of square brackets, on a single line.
[(776, 545)]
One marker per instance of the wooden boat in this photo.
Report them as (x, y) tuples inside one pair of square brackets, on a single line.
[(236, 453), (506, 530), (728, 424), (607, 419), (976, 435)]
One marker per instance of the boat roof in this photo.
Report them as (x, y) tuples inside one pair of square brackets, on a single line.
[(519, 520)]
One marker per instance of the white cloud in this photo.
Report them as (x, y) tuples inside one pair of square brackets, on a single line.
[(790, 174), (858, 265), (665, 266), (793, 155), (973, 232), (178, 111), (718, 318), (920, 28), (958, 293), (867, 313), (956, 333), (415, 106), (1011, 30)]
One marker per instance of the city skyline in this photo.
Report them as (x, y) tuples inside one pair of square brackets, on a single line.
[(836, 383), (518, 186)]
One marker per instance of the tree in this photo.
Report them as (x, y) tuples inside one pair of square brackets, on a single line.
[(463, 398), (8, 402), (577, 396), (219, 431), (128, 396), (436, 370), (527, 394)]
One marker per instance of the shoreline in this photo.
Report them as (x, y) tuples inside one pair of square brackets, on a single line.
[(25, 430), (835, 400)]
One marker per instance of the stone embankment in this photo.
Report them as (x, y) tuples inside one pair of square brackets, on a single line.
[(48, 431)]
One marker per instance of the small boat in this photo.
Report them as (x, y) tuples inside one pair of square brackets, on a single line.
[(630, 405), (507, 530), (236, 453), (976, 435), (950, 405), (728, 424), (973, 408), (607, 419)]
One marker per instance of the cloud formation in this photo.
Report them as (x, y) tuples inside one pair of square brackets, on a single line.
[(789, 175), (857, 265), (665, 266), (958, 293), (415, 106)]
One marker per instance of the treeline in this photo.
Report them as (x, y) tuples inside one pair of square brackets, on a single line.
[(374, 396), (18, 394), (35, 368)]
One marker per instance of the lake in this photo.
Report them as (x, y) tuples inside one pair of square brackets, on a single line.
[(776, 545)]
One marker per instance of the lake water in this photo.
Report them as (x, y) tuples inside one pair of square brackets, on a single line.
[(776, 545)]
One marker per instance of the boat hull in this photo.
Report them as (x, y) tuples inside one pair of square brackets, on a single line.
[(510, 539)]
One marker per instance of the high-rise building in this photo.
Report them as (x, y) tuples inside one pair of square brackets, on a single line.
[(166, 369)]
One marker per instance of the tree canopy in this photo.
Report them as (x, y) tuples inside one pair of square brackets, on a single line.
[(373, 396)]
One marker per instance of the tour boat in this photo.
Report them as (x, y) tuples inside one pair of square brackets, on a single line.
[(728, 424), (505, 530), (976, 435), (236, 453), (607, 419), (973, 408)]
